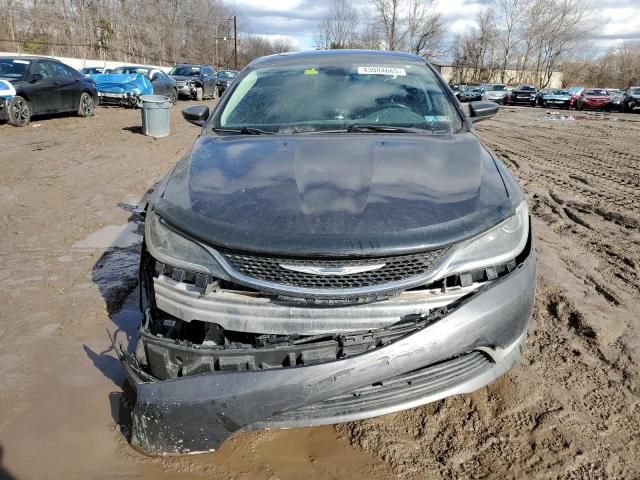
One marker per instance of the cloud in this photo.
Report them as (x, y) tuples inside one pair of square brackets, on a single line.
[(299, 19)]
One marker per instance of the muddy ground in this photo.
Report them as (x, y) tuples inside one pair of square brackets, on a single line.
[(69, 191)]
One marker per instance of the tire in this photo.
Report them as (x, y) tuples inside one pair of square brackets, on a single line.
[(216, 93), (19, 110), (545, 105), (173, 98), (86, 106), (199, 94)]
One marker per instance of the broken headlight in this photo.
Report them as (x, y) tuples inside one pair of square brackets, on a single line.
[(498, 245), (170, 247)]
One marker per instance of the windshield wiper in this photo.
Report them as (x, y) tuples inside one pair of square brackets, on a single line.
[(356, 127), (359, 127), (243, 130)]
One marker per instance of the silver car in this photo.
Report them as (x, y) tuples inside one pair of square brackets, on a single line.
[(497, 92)]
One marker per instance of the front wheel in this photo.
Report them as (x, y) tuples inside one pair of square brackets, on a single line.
[(19, 111), (216, 93), (174, 96), (86, 105)]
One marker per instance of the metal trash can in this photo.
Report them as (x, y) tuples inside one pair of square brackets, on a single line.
[(155, 115)]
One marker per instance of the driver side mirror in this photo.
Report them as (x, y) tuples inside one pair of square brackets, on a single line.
[(197, 114), (482, 110), (36, 77)]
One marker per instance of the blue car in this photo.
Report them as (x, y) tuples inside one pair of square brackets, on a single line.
[(122, 89), (555, 98), (125, 85)]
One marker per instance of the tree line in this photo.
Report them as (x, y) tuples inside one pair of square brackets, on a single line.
[(513, 40), (160, 32), (410, 25), (618, 67)]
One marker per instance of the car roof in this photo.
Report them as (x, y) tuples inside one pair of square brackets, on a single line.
[(28, 57), (324, 55), (192, 65)]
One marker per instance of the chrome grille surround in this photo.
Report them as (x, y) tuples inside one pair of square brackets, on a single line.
[(394, 269)]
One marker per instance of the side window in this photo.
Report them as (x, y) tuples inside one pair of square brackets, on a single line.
[(60, 70), (43, 69)]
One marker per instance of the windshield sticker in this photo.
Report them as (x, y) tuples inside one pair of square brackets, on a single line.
[(391, 71), (311, 71), (25, 62)]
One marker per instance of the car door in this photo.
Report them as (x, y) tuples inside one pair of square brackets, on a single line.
[(160, 84), (68, 85), (40, 89), (209, 81)]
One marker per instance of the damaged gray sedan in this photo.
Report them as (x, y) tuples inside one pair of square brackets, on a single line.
[(336, 245)]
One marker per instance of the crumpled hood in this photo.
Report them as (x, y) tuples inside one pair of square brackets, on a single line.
[(123, 83), (328, 193)]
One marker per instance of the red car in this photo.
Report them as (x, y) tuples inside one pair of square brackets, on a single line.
[(594, 98)]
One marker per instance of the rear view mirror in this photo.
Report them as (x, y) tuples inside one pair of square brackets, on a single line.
[(482, 110), (196, 114)]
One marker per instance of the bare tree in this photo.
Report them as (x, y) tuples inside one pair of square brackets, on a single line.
[(509, 22), (425, 28), (388, 15), (339, 29)]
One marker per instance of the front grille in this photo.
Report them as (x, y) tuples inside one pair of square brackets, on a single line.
[(395, 268), (401, 389)]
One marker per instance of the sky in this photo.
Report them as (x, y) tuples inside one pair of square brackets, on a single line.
[(618, 20)]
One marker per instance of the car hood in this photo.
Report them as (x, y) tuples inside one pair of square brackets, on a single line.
[(123, 83), (334, 194)]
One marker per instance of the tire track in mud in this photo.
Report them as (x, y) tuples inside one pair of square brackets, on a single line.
[(571, 408)]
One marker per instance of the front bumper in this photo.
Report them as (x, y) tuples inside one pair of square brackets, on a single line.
[(187, 90), (466, 349), (116, 98)]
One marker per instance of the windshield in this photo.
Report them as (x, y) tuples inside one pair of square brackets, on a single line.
[(143, 71), (185, 71), (557, 92), (596, 93), (526, 88), (634, 91), (10, 68), (329, 96), (497, 88), (227, 74)]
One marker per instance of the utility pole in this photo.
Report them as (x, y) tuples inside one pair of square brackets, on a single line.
[(235, 43)]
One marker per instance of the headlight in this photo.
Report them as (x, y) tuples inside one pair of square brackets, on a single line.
[(498, 245), (174, 249)]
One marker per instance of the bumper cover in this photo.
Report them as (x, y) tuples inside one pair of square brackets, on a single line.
[(197, 413)]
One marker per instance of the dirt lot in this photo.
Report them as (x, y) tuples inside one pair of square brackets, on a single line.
[(571, 409)]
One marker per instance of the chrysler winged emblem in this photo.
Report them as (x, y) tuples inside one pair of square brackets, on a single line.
[(346, 270)]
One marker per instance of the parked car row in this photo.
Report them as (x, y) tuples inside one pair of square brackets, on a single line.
[(579, 98), (40, 85)]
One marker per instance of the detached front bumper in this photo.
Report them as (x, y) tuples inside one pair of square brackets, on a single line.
[(469, 347), (127, 99)]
